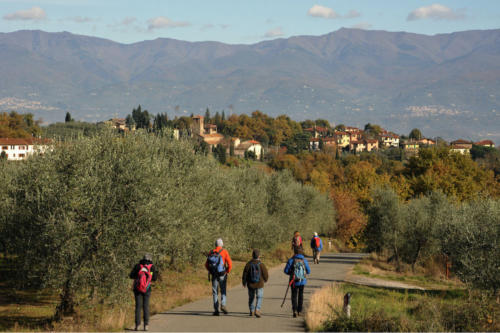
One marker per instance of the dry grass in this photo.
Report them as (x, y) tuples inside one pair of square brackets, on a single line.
[(429, 275), (322, 306)]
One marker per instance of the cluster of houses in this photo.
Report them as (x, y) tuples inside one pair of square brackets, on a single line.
[(352, 139), (208, 134)]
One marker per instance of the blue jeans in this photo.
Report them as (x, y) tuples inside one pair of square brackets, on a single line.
[(251, 295), (216, 283)]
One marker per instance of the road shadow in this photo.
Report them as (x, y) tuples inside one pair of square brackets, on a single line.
[(230, 314)]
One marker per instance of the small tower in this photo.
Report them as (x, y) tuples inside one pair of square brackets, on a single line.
[(198, 125)]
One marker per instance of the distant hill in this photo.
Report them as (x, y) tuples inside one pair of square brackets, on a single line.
[(447, 85)]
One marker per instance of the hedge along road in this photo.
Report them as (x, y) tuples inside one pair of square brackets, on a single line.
[(197, 316)]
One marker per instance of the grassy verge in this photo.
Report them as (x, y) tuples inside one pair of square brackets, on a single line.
[(429, 276), (27, 310), (375, 309)]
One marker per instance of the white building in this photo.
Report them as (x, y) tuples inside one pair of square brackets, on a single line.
[(19, 149), (389, 140), (245, 146)]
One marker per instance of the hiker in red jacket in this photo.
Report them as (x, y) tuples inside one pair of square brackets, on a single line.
[(143, 273), (219, 264)]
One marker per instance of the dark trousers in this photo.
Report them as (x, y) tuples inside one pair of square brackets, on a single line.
[(142, 303), (297, 298)]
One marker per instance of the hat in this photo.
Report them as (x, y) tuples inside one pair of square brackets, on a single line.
[(255, 253), (219, 242), (148, 257), (315, 234)]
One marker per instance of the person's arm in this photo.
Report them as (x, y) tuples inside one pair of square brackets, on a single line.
[(155, 273), (287, 267), (245, 273), (229, 263), (133, 273), (265, 274)]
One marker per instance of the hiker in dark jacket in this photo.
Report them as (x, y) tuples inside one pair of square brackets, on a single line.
[(254, 276), (145, 271), (297, 268)]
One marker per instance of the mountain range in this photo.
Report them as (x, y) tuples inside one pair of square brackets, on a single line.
[(447, 85)]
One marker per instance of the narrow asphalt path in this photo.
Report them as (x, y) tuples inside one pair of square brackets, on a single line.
[(197, 316)]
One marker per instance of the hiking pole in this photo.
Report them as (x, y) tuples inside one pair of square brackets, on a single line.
[(286, 293)]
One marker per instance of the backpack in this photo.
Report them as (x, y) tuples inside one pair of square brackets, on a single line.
[(299, 270), (143, 281), (297, 241), (317, 240), (254, 273), (215, 263)]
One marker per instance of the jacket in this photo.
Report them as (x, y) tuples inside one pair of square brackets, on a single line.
[(226, 259), (264, 275), (289, 268), (313, 244), (134, 274)]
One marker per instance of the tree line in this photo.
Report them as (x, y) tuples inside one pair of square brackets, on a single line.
[(79, 216)]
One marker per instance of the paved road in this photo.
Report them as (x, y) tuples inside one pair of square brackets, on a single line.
[(197, 316)]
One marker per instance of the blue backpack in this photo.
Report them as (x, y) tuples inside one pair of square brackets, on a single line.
[(254, 275), (215, 263), (299, 270)]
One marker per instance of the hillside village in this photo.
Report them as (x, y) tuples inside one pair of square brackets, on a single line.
[(342, 139)]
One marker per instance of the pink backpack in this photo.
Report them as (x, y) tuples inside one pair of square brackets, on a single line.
[(144, 277)]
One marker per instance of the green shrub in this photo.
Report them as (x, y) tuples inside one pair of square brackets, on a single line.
[(82, 214)]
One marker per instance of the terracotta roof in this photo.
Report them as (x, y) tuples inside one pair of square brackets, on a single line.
[(460, 142), (371, 141), (485, 143), (198, 116), (389, 135), (210, 126), (19, 141), (254, 142), (341, 133)]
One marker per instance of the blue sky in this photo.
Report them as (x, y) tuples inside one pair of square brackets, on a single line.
[(233, 21)]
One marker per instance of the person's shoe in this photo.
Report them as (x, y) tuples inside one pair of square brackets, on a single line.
[(146, 327), (223, 309), (299, 314), (251, 314), (294, 314), (136, 328), (216, 313), (257, 313)]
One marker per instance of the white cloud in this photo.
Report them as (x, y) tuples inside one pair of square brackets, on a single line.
[(273, 33), (352, 14), (362, 25), (323, 12), (161, 22), (436, 12), (34, 14)]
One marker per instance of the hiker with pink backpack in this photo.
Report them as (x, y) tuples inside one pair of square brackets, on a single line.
[(143, 274)]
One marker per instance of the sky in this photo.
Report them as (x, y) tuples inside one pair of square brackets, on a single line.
[(243, 21)]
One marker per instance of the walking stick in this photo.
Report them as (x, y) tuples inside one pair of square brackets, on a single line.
[(286, 293)]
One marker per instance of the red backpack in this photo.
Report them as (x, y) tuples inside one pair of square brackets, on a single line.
[(144, 277), (317, 242)]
